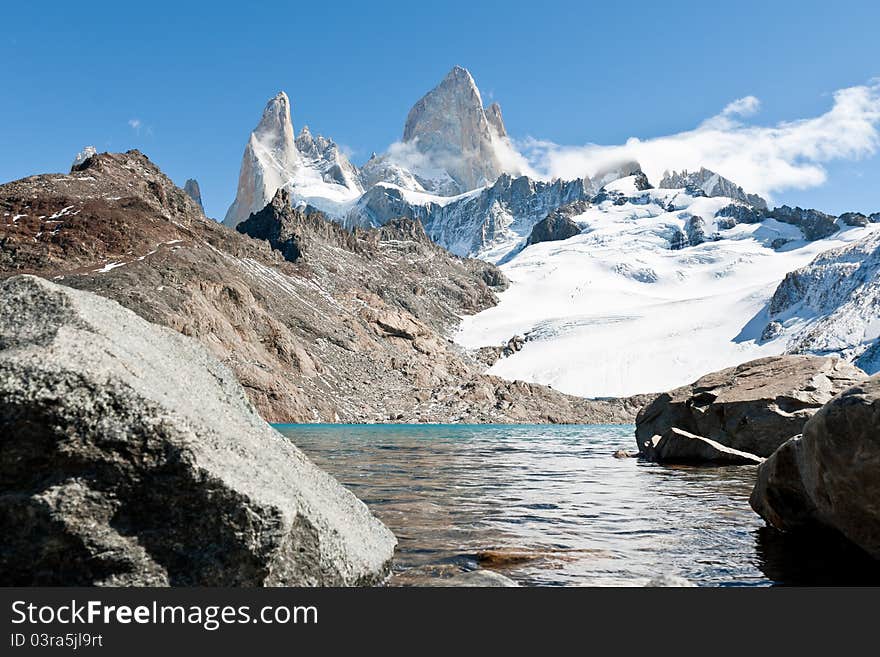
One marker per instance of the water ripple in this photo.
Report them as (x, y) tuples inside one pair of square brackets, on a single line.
[(555, 499)]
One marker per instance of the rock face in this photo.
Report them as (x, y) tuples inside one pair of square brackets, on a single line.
[(832, 304), (191, 187), (312, 168), (117, 470), (854, 219), (753, 407), (324, 156), (677, 446), (830, 476), (740, 214), (556, 226), (815, 225), (695, 229), (711, 184), (450, 126), (348, 326), (270, 159)]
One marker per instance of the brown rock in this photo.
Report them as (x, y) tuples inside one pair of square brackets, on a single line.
[(753, 407), (829, 477), (677, 446)]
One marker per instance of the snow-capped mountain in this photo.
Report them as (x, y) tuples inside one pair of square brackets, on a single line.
[(711, 184), (616, 287), (831, 306), (451, 145), (313, 169), (489, 222), (452, 129), (656, 290)]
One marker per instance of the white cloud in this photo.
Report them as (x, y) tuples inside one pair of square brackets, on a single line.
[(763, 159), (135, 124), (746, 106)]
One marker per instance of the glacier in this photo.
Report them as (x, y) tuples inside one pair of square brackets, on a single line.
[(630, 306)]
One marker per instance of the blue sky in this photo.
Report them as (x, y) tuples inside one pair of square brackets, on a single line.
[(186, 82)]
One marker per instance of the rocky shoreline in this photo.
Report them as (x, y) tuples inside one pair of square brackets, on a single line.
[(811, 425)]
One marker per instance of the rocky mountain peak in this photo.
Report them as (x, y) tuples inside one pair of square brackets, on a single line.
[(493, 114), (275, 124), (83, 155), (710, 183), (191, 187), (451, 127)]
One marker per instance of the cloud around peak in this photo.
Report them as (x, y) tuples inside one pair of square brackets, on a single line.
[(762, 159)]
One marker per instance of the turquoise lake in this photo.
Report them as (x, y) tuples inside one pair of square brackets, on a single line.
[(548, 505)]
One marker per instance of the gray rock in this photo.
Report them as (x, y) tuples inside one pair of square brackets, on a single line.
[(753, 407), (130, 456), (778, 243), (678, 240), (814, 225), (476, 579), (450, 126), (695, 229), (666, 580), (677, 446), (854, 219), (710, 184), (191, 187), (740, 214), (556, 226), (772, 331), (829, 477)]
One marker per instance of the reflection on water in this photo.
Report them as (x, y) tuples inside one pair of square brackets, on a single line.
[(549, 505)]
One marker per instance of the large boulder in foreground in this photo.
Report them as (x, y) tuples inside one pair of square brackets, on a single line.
[(677, 446), (830, 476), (753, 407), (130, 456)]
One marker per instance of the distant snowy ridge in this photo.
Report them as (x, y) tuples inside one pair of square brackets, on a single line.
[(654, 292), (832, 305)]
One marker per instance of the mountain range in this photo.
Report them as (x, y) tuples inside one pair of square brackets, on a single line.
[(641, 288), (618, 285)]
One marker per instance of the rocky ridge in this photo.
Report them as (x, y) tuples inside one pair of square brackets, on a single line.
[(354, 330)]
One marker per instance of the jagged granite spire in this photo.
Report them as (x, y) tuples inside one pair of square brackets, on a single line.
[(270, 160), (451, 127), (191, 187), (712, 184), (311, 167)]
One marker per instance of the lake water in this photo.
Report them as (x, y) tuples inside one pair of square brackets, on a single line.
[(549, 505)]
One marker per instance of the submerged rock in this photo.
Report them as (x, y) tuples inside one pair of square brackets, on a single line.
[(474, 579), (666, 580), (753, 407), (130, 456), (830, 476)]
